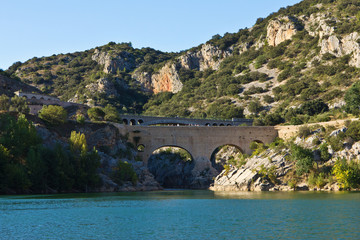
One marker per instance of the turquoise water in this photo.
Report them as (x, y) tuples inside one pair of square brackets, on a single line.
[(181, 215)]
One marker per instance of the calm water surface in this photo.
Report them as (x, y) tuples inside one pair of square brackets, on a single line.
[(181, 215)]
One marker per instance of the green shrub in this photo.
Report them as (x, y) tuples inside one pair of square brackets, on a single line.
[(303, 158), (335, 143), (314, 107), (19, 104), (347, 173), (54, 115), (80, 118), (304, 131), (124, 172), (352, 99), (324, 152), (96, 114), (353, 130), (4, 102)]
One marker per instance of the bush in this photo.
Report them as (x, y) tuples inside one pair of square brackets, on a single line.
[(268, 99), (80, 118), (335, 143), (304, 131), (273, 119), (354, 131), (255, 107), (96, 114), (19, 104), (324, 152), (314, 107), (303, 157), (124, 172), (111, 114), (4, 102), (352, 99), (347, 173), (54, 115)]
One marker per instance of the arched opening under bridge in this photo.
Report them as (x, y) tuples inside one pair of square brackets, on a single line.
[(172, 167), (227, 154)]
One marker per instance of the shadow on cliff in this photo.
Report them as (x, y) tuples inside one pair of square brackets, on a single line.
[(173, 168)]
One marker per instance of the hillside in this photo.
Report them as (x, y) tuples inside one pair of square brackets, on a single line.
[(294, 66)]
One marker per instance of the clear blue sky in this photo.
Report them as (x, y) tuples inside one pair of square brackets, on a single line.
[(42, 27)]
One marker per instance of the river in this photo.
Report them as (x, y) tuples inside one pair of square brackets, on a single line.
[(182, 214)]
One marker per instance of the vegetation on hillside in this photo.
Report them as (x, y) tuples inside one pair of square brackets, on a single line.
[(291, 83), (28, 166)]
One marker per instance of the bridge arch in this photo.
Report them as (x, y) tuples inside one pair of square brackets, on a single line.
[(225, 154), (171, 166), (132, 122), (140, 121)]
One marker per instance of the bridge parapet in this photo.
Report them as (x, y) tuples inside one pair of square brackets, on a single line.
[(148, 121)]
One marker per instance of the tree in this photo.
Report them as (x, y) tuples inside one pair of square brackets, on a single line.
[(4, 102), (303, 157), (36, 168), (54, 115), (87, 163), (111, 114), (96, 114), (352, 99), (314, 107), (255, 107), (18, 136), (347, 173), (324, 152), (78, 143), (354, 130), (19, 104)]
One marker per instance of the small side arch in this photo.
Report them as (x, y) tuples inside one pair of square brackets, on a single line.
[(140, 121), (132, 122), (141, 148), (228, 154)]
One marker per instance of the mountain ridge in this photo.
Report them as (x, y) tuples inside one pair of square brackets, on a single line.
[(306, 52)]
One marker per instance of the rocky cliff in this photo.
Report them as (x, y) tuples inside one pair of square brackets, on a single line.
[(167, 78), (250, 178), (114, 62), (281, 29), (112, 148), (276, 168)]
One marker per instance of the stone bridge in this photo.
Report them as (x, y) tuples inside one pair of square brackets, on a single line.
[(199, 141), (148, 120)]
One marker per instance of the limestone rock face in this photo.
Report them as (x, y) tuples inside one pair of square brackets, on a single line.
[(209, 56), (247, 177), (316, 25), (167, 78), (103, 85), (280, 30), (114, 63), (348, 45)]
